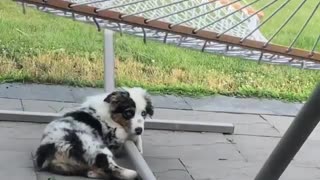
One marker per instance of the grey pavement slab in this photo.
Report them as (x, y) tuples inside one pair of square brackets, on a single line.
[(243, 105), (253, 148), (13, 159), (208, 169), (36, 92), (246, 124), (10, 104), (19, 145), (79, 94), (47, 106), (214, 104), (170, 102), (21, 130), (18, 174), (240, 170), (168, 168), (282, 123), (169, 144), (308, 155)]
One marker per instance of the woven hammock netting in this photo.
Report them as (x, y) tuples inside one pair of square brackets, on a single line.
[(236, 18)]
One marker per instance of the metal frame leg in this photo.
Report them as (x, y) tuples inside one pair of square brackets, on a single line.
[(109, 63), (293, 139), (109, 85)]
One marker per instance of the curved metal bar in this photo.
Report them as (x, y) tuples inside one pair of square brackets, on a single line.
[(121, 5), (23, 7), (86, 3), (314, 46), (187, 9), (198, 29), (120, 29), (272, 2), (304, 26), (204, 46), (195, 17), (285, 23), (265, 21), (260, 57), (144, 36), (97, 24), (165, 38), (152, 9)]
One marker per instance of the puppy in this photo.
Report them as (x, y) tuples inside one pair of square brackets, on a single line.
[(133, 104), (82, 141)]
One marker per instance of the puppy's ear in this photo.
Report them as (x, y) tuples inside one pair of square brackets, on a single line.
[(116, 95), (149, 106)]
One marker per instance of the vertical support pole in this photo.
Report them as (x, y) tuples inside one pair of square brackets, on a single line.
[(293, 139), (109, 74)]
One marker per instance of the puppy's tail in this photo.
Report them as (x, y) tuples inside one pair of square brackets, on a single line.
[(44, 152)]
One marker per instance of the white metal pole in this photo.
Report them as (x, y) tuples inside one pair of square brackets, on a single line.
[(109, 63)]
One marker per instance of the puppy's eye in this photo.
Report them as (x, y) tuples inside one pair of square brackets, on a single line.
[(143, 113), (128, 114)]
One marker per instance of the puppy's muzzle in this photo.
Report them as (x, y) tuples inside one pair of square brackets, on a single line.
[(138, 130)]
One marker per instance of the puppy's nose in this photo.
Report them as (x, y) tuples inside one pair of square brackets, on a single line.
[(138, 130)]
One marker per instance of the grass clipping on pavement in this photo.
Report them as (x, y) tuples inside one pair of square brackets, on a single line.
[(42, 48)]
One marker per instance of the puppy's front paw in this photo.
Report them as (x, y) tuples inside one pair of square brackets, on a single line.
[(140, 149)]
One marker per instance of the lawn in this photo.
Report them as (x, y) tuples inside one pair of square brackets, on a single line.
[(289, 32), (43, 48)]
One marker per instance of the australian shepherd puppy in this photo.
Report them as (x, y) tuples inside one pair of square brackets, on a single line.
[(82, 142)]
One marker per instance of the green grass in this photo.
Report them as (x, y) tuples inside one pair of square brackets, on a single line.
[(43, 48), (289, 32)]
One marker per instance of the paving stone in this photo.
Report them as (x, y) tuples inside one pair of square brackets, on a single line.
[(243, 105), (14, 159), (298, 172), (80, 94), (282, 123), (173, 175), (207, 169), (49, 176), (36, 92), (254, 148), (10, 104), (159, 165), (168, 168), (239, 170), (19, 145), (172, 138), (245, 124), (176, 145), (21, 130), (309, 154), (170, 102), (48, 106), (18, 174)]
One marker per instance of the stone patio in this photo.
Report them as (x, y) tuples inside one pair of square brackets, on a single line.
[(259, 125)]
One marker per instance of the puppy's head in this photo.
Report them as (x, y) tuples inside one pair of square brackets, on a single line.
[(130, 108)]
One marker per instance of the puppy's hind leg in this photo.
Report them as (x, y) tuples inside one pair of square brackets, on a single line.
[(105, 166)]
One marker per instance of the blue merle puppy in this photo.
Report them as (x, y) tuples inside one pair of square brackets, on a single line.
[(83, 140)]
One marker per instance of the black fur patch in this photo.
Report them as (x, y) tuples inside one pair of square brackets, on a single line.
[(87, 119), (149, 107), (44, 152), (101, 161), (76, 151)]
